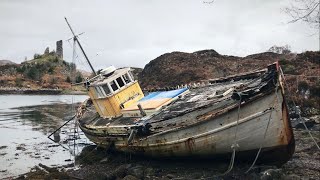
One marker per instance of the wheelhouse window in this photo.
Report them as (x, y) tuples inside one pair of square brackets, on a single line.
[(120, 82), (99, 91), (131, 76), (126, 78), (114, 85), (106, 89)]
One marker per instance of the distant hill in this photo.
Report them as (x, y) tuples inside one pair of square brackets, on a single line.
[(177, 68), (136, 71), (5, 62)]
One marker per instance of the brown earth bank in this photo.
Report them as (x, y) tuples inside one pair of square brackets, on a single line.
[(95, 163)]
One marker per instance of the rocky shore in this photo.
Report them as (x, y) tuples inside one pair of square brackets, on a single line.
[(95, 163)]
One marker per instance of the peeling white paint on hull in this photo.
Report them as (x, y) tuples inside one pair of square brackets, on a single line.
[(208, 131)]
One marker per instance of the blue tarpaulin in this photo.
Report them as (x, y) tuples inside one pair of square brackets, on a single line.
[(163, 94)]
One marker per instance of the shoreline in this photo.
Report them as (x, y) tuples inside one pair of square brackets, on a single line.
[(25, 91)]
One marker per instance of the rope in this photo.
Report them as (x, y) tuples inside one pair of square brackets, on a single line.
[(298, 112), (265, 133), (234, 145)]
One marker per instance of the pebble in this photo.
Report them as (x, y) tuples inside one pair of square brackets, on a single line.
[(271, 174), (137, 171), (130, 177), (170, 176)]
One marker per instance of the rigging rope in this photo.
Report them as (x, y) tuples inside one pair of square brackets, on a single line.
[(298, 112), (265, 132), (74, 56), (234, 145)]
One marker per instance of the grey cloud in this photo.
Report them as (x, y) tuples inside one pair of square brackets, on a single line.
[(133, 32)]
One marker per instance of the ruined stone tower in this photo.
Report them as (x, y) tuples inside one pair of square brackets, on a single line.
[(59, 50)]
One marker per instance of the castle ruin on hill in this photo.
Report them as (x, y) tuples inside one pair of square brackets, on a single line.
[(59, 49), (58, 52)]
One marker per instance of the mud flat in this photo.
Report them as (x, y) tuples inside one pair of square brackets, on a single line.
[(95, 163), (25, 123)]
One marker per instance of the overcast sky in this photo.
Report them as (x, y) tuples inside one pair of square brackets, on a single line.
[(133, 32)]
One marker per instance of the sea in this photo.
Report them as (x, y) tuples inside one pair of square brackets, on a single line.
[(26, 121)]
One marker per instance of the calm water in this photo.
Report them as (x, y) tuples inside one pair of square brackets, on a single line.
[(25, 123)]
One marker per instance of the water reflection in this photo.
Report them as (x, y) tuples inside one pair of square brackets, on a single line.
[(25, 123), (56, 136), (45, 118)]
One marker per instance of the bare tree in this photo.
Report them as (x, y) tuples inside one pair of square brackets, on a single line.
[(208, 2), (305, 10), (280, 49)]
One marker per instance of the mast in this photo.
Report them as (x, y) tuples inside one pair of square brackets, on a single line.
[(75, 38)]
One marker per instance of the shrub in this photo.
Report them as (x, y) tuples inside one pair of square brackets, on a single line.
[(79, 78), (68, 79), (289, 69), (18, 82), (315, 89), (303, 86), (53, 80), (33, 73), (51, 70), (37, 56)]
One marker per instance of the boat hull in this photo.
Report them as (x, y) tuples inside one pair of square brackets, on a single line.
[(259, 123)]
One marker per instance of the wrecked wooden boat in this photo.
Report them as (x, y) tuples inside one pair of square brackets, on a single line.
[(245, 113)]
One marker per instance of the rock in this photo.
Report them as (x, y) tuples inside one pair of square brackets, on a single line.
[(298, 124), (271, 174), (316, 127), (130, 177), (253, 175), (292, 177), (149, 172), (104, 160), (137, 171), (170, 176), (100, 176), (21, 148), (316, 119), (3, 147), (197, 175), (46, 51), (121, 171)]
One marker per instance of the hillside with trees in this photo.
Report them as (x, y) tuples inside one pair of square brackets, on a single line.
[(46, 71)]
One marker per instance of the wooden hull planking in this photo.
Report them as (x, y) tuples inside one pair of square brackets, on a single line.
[(213, 135)]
